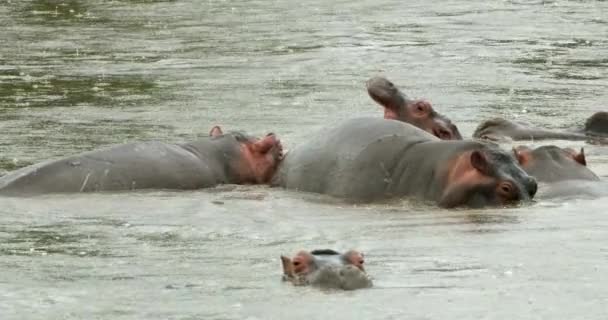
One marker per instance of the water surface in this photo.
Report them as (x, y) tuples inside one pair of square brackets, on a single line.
[(77, 75)]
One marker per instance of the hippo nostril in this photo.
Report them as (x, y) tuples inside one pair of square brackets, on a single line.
[(532, 187), (270, 134)]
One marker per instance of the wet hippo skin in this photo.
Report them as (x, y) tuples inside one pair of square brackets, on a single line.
[(368, 159), (499, 129), (562, 172), (234, 157)]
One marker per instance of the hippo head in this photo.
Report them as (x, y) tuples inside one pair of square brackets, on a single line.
[(256, 160), (497, 129), (420, 113), (486, 176), (552, 163), (597, 124), (327, 269)]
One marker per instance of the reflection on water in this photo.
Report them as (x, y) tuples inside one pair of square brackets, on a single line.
[(35, 91), (78, 74)]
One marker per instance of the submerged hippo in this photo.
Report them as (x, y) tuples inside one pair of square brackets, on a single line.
[(498, 129), (420, 113), (552, 163), (327, 269), (234, 157), (369, 159), (563, 172), (597, 124)]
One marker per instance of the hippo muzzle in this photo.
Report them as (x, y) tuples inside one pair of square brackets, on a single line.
[(327, 269)]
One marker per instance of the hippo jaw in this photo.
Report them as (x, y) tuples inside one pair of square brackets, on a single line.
[(346, 277)]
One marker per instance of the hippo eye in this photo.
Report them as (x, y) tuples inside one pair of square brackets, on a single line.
[(506, 188), (444, 134), (296, 263)]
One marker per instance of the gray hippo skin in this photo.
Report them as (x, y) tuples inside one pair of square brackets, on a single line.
[(597, 124), (221, 158), (419, 113), (327, 269), (562, 172), (553, 164), (369, 159), (499, 129)]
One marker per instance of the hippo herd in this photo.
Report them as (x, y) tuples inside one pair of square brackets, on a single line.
[(413, 151)]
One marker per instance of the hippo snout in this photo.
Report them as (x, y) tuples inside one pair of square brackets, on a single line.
[(346, 277), (531, 186)]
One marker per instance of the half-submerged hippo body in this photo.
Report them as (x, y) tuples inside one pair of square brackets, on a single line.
[(222, 158), (553, 164), (327, 269), (369, 159), (499, 129), (562, 172), (419, 113)]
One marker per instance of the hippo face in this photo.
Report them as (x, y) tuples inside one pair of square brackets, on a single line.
[(256, 160), (597, 124), (327, 269), (420, 113), (552, 163), (486, 176), (497, 129)]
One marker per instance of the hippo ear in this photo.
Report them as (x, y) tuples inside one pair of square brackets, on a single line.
[(480, 162), (522, 154), (287, 267), (580, 157), (216, 131)]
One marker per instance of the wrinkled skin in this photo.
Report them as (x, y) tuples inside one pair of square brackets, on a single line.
[(233, 158), (327, 269), (562, 172), (420, 113), (369, 159), (553, 164), (499, 129)]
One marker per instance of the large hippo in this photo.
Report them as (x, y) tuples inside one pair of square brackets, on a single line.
[(398, 106), (327, 269), (234, 158), (499, 129), (369, 159), (562, 172)]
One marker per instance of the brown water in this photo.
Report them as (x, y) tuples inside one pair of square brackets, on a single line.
[(77, 75)]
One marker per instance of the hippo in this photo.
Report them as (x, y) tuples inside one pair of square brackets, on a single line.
[(369, 159), (597, 124), (499, 129), (420, 113), (562, 172), (552, 164), (327, 269), (231, 158)]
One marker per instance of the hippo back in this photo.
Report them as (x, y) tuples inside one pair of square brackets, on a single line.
[(353, 160), (140, 165)]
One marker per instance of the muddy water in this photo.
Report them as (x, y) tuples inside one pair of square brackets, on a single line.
[(76, 75)]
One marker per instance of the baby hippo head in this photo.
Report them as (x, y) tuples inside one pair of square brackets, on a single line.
[(327, 269)]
